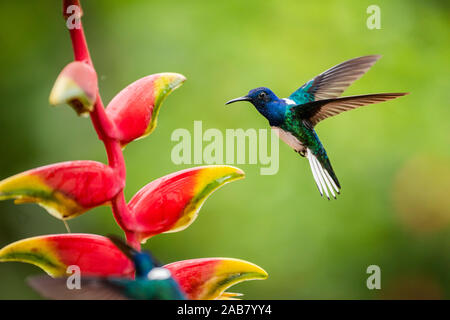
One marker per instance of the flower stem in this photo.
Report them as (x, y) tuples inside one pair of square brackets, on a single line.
[(105, 129)]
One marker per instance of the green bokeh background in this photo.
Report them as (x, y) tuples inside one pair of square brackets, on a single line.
[(392, 159)]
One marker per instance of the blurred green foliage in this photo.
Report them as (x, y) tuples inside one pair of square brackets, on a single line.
[(312, 248)]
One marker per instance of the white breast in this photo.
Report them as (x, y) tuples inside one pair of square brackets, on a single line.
[(289, 139), (289, 101)]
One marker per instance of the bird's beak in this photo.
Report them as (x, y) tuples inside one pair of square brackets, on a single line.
[(245, 98), (123, 246)]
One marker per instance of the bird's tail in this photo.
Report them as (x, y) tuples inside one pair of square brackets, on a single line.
[(324, 175)]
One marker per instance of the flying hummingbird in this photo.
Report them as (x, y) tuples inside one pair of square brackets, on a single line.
[(294, 118), (152, 282)]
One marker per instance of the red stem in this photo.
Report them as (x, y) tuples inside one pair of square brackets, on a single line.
[(105, 130)]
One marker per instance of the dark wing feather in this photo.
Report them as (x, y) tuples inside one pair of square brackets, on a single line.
[(91, 289), (130, 252), (123, 246), (317, 111), (331, 83)]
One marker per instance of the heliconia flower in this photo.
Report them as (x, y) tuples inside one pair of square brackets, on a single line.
[(65, 189), (171, 203), (208, 278), (95, 255), (77, 86), (134, 110)]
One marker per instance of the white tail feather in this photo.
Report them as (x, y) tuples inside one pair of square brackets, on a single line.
[(325, 177), (319, 173), (309, 156), (322, 178)]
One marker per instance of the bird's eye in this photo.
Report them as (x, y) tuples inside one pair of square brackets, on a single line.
[(262, 95)]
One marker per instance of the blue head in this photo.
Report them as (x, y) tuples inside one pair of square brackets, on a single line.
[(267, 103)]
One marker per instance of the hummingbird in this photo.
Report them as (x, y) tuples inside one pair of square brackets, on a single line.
[(294, 118), (152, 282)]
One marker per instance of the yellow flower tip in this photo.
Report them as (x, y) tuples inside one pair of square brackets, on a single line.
[(29, 188), (229, 272), (229, 296), (76, 86), (210, 178), (18, 187), (164, 84), (170, 81), (162, 87), (220, 174), (241, 268), (66, 91), (35, 251)]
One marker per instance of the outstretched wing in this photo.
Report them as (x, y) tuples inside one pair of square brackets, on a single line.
[(316, 111), (331, 83), (90, 289)]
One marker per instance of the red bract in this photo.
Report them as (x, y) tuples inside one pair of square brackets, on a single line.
[(134, 110), (171, 203), (208, 278), (94, 255), (65, 189)]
